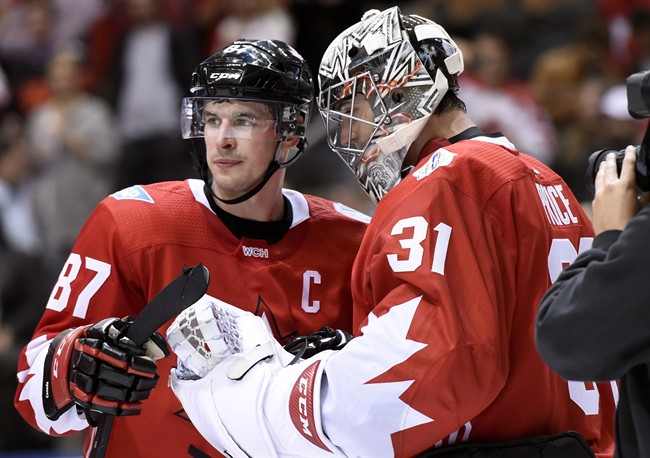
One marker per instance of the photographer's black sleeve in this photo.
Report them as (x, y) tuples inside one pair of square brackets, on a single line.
[(594, 322)]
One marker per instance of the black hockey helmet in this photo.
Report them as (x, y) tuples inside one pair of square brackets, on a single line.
[(268, 71), (255, 69)]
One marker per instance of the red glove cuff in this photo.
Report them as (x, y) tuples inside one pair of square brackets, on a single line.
[(57, 397)]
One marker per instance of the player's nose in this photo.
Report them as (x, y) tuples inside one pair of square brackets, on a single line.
[(223, 138), (349, 134)]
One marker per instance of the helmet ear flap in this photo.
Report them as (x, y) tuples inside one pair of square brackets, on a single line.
[(296, 128)]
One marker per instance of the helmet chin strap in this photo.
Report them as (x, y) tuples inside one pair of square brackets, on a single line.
[(273, 167)]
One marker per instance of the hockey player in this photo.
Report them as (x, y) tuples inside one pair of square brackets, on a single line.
[(464, 242), (281, 255)]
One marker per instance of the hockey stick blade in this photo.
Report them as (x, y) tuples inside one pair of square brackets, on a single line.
[(178, 295)]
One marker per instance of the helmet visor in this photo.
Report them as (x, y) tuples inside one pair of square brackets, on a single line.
[(230, 118)]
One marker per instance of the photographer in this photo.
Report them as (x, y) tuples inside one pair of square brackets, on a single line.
[(594, 322)]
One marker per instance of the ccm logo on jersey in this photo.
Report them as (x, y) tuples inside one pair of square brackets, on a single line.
[(301, 405), (255, 252)]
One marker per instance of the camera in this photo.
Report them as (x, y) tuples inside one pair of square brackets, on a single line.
[(638, 105)]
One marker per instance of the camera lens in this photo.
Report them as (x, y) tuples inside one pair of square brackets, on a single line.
[(593, 164), (641, 173)]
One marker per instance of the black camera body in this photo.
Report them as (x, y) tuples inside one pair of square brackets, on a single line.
[(638, 105)]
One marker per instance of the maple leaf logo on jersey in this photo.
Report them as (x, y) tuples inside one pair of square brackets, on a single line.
[(380, 384), (265, 312)]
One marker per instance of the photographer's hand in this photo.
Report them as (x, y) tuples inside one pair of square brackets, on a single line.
[(615, 202)]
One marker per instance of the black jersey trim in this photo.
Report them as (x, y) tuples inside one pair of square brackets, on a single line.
[(270, 231)]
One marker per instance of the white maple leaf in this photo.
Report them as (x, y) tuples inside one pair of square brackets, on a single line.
[(374, 411)]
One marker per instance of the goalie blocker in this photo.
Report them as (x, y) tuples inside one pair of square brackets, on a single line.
[(100, 371)]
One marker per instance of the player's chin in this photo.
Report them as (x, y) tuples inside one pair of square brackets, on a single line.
[(226, 188)]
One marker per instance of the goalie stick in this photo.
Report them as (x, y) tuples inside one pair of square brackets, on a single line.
[(179, 294)]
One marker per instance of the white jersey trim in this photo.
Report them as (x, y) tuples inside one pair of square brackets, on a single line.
[(351, 212), (298, 201), (196, 186), (299, 206), (502, 141)]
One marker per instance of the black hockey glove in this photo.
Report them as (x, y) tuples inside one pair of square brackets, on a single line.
[(100, 371), (325, 339)]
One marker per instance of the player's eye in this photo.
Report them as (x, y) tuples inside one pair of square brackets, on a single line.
[(243, 123), (212, 122), (345, 107)]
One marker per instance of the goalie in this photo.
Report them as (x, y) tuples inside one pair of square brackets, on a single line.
[(464, 242)]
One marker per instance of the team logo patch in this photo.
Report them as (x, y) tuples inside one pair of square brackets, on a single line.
[(440, 158), (351, 213), (133, 193)]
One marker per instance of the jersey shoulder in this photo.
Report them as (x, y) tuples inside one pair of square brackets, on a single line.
[(329, 224), (156, 213), (150, 204), (479, 167), (321, 209), (475, 171)]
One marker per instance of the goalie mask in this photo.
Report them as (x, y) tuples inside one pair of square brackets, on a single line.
[(267, 72), (380, 81)]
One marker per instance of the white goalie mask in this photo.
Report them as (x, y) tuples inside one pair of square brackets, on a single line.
[(380, 80)]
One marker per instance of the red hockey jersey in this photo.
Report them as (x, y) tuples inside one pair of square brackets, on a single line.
[(138, 240), (446, 288)]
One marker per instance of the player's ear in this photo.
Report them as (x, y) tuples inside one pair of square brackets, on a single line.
[(287, 149), (291, 142)]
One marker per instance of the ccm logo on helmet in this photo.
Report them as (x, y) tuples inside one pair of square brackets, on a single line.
[(225, 76)]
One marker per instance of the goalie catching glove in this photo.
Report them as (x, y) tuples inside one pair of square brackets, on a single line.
[(235, 380), (100, 371)]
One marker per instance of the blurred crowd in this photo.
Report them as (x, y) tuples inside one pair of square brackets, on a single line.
[(90, 95)]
